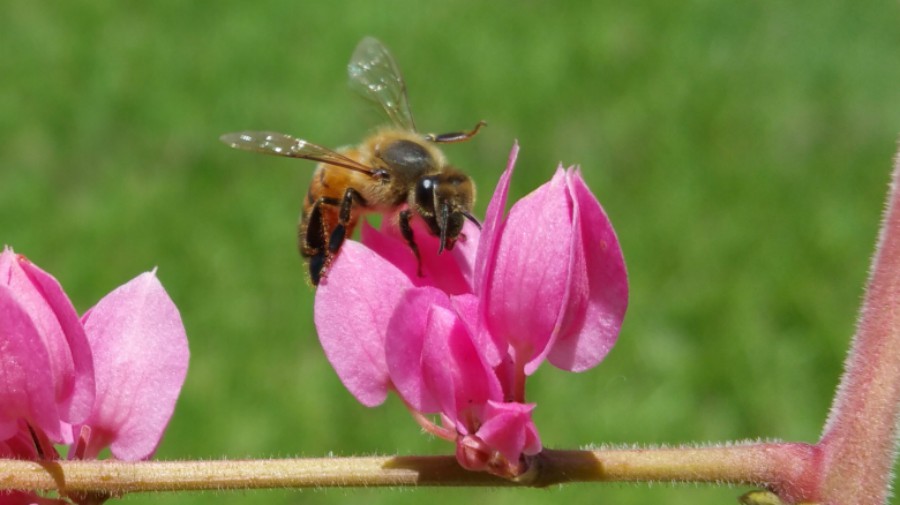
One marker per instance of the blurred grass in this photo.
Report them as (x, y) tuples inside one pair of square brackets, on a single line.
[(742, 150)]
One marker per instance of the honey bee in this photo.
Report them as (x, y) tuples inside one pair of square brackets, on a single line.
[(397, 171)]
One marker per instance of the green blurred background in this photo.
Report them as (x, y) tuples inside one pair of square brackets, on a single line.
[(742, 150)]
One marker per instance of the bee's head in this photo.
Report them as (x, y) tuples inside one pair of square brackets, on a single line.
[(444, 200)]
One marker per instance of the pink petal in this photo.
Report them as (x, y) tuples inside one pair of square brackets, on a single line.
[(141, 358), (493, 345), (26, 382), (530, 280), (509, 429), (467, 307), (388, 244), (56, 321), (492, 228), (404, 343), (450, 271), (583, 342), (352, 310), (465, 255), (454, 372), (75, 389)]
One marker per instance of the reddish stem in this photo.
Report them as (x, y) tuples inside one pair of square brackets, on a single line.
[(859, 440), (428, 425)]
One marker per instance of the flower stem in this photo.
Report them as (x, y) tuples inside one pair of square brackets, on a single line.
[(860, 436), (752, 464), (434, 429)]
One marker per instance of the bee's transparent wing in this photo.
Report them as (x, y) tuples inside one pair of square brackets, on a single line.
[(374, 74), (279, 144)]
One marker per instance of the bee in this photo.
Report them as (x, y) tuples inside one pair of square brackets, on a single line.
[(397, 171)]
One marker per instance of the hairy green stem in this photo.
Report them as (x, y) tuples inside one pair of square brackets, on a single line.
[(751, 464)]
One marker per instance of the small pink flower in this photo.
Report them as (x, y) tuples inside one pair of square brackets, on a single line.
[(546, 281), (110, 379)]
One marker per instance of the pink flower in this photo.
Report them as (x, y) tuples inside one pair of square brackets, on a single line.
[(109, 379), (546, 281)]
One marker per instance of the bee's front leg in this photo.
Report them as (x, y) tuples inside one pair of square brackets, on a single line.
[(345, 220), (407, 232)]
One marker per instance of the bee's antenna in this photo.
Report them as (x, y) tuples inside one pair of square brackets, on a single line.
[(449, 138)]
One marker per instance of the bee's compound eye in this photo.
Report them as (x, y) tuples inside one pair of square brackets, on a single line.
[(425, 193)]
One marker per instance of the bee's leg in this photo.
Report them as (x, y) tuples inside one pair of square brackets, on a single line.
[(336, 240), (449, 138), (313, 238), (337, 236), (317, 243), (407, 232)]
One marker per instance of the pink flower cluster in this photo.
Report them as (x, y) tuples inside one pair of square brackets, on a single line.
[(546, 281), (107, 379)]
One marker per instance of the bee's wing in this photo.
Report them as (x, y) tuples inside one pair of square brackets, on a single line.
[(374, 74), (279, 144)]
